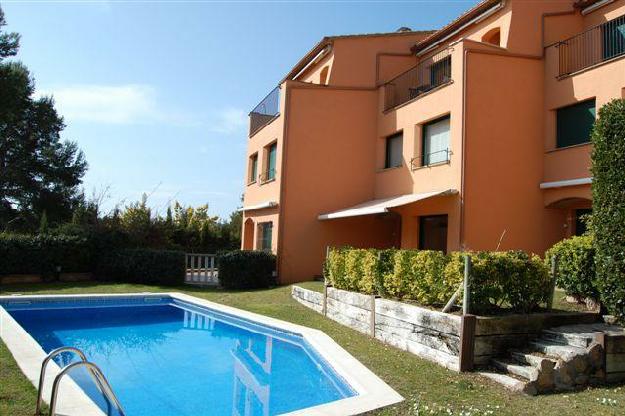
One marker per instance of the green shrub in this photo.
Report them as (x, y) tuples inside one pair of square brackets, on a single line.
[(335, 267), (44, 254), (513, 279), (418, 275), (608, 193), (144, 266), (576, 266), (385, 266), (359, 270), (244, 269), (506, 279)]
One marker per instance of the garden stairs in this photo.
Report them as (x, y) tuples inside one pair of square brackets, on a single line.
[(560, 359)]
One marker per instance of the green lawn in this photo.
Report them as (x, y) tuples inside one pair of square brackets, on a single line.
[(416, 379)]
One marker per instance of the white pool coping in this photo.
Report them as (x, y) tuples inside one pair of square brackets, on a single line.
[(372, 392)]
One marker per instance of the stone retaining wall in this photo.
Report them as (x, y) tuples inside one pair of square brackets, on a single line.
[(429, 334), (435, 335), (495, 335)]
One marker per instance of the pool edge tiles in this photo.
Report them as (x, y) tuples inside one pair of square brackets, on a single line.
[(371, 392)]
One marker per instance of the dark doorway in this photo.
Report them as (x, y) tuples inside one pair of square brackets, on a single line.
[(433, 233), (581, 217)]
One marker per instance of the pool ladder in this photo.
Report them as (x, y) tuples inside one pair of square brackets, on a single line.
[(93, 370)]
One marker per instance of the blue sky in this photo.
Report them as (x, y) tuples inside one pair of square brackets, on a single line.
[(157, 93)]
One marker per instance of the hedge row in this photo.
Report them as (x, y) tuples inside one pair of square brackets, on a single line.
[(575, 266), (244, 269), (145, 266), (511, 279), (44, 254), (47, 255)]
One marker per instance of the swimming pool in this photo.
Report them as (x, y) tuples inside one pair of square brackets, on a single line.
[(173, 354)]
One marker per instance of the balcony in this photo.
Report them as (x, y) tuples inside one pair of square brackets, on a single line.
[(439, 157), (267, 110), (594, 46), (428, 74)]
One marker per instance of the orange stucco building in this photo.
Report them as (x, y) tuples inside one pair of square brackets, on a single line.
[(474, 136)]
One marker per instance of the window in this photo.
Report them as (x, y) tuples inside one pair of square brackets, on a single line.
[(613, 34), (433, 233), (253, 168), (265, 231), (435, 143), (394, 146), (574, 123), (440, 72), (270, 162)]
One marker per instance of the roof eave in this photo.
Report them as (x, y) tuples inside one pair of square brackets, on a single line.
[(465, 18)]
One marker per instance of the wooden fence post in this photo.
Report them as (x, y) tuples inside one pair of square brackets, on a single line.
[(372, 318), (467, 322), (466, 296), (554, 275), (600, 339), (324, 306), (467, 342)]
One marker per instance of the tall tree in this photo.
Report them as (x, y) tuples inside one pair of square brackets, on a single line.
[(38, 171)]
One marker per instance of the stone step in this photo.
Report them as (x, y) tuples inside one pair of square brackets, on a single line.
[(567, 338), (524, 371), (541, 362), (511, 383), (563, 352)]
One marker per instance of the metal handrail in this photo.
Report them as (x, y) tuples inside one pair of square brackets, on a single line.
[(93, 369), (429, 73), (42, 373), (267, 110), (417, 161), (44, 364), (595, 45)]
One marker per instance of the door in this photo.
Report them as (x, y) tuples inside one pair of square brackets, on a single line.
[(433, 233)]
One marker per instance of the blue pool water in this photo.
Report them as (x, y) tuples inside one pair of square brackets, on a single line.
[(166, 357)]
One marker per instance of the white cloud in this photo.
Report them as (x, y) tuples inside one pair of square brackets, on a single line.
[(229, 121), (112, 104), (136, 104)]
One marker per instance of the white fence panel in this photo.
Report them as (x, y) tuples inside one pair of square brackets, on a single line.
[(201, 269)]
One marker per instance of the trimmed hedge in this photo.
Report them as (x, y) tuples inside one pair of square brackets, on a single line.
[(145, 266), (608, 194), (576, 266), (512, 279), (245, 269), (420, 275), (43, 254), (504, 279)]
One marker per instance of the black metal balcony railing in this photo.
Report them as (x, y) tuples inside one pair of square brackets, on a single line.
[(595, 45), (267, 176), (425, 76), (431, 158), (265, 111)]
